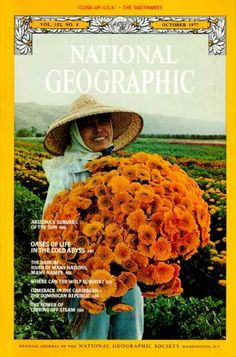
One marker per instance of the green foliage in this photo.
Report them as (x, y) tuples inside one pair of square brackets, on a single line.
[(28, 207), (30, 324), (184, 136), (24, 132), (152, 145), (179, 318)]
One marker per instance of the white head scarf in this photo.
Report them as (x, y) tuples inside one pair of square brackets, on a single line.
[(76, 156), (77, 145)]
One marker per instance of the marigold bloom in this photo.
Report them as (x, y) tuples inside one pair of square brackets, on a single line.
[(121, 288), (222, 282), (140, 259), (136, 218), (143, 174), (104, 202), (119, 184), (113, 241), (131, 240), (96, 263), (163, 273), (129, 171), (134, 186), (93, 228), (161, 249), (145, 250), (145, 275), (92, 306), (112, 230), (146, 234), (140, 157), (104, 282), (100, 190), (104, 253), (120, 199), (129, 279), (130, 265), (121, 253), (144, 196), (122, 308)]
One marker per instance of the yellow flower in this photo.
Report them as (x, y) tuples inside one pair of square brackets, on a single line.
[(93, 228), (122, 308), (104, 282), (119, 184), (222, 282)]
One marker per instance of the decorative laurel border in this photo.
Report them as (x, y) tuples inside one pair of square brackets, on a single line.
[(119, 24)]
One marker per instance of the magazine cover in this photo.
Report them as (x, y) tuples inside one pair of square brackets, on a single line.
[(116, 233)]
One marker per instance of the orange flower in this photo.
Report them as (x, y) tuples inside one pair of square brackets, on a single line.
[(143, 174), (69, 235), (82, 242), (120, 199), (129, 171), (144, 196), (104, 282), (145, 250), (140, 259), (136, 218), (161, 249), (146, 234), (122, 308), (129, 279), (157, 220), (104, 203), (129, 206), (80, 202), (203, 216), (95, 180), (163, 273), (122, 253), (113, 241), (119, 184), (145, 275), (121, 288), (134, 186), (100, 190), (95, 263), (130, 265), (140, 157), (131, 240), (93, 307), (93, 228), (104, 253), (112, 230), (156, 176), (150, 294)]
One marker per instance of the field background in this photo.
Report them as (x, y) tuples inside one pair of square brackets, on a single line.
[(200, 312)]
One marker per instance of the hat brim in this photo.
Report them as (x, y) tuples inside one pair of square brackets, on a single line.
[(127, 125)]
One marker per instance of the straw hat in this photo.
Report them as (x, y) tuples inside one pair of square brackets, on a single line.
[(126, 124)]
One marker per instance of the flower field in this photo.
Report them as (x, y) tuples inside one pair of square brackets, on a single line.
[(203, 275)]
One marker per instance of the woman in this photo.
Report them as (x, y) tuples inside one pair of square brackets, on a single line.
[(89, 131)]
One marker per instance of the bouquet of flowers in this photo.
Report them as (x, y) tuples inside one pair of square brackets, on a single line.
[(131, 222)]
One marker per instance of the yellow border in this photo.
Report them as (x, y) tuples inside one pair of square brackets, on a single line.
[(8, 9)]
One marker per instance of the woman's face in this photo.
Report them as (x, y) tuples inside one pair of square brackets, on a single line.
[(96, 132)]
